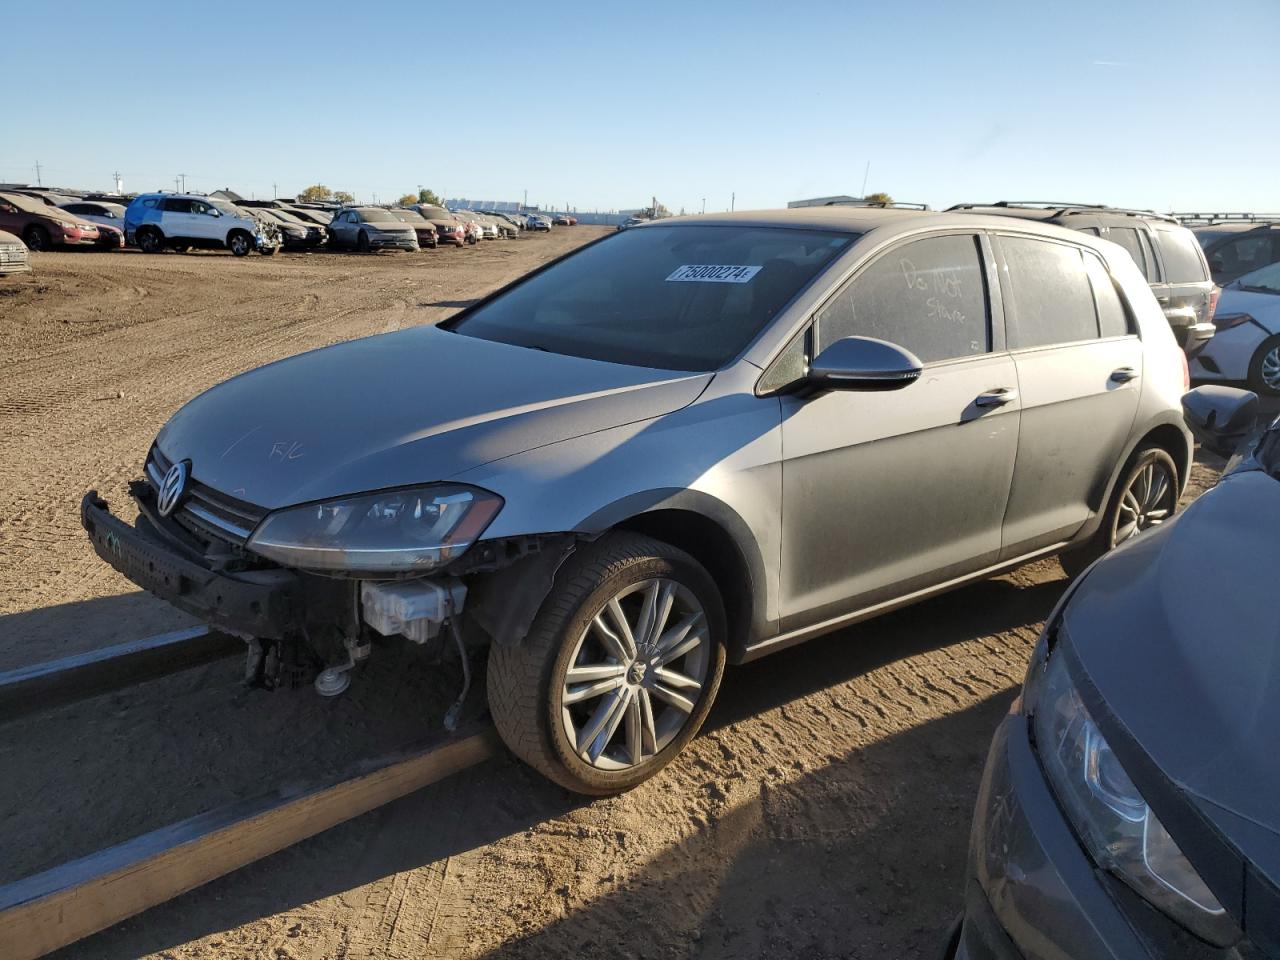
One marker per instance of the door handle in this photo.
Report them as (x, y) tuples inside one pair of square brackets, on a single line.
[(1124, 375), (996, 398)]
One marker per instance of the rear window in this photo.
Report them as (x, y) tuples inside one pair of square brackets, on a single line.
[(1053, 300), (687, 297), (1183, 261)]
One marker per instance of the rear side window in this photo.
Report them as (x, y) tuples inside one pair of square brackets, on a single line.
[(1113, 321), (1183, 261), (1053, 299), (1127, 237), (928, 296), (172, 205)]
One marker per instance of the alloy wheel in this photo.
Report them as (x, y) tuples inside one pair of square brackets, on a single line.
[(1149, 500), (636, 674), (1270, 371)]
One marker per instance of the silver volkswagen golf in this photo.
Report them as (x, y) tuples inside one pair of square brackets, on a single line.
[(694, 442)]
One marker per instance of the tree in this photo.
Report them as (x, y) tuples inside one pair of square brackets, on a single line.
[(341, 196), (879, 198), (429, 196), (315, 193), (408, 199)]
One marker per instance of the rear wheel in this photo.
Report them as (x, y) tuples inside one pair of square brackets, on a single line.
[(240, 243), (268, 251), (181, 247), (150, 240), (37, 238), (619, 670), (1145, 497), (1264, 368)]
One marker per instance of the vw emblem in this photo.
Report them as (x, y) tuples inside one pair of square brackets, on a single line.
[(172, 488)]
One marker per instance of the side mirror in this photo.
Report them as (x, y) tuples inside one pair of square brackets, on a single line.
[(863, 363), (1220, 417), (215, 212)]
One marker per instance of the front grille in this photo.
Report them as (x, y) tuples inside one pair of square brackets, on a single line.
[(205, 512), (11, 253)]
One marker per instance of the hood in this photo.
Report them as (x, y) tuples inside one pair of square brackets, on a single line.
[(1180, 632), (415, 406), (396, 226)]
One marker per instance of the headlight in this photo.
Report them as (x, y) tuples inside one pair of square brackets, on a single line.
[(64, 225), (1110, 816), (408, 531)]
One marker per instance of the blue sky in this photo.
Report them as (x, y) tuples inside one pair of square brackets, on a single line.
[(602, 105)]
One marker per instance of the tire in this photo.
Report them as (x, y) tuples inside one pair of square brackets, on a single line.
[(150, 240), (1264, 368), (240, 243), (528, 680), (269, 251), (181, 247), (362, 242), (1120, 522), (37, 239)]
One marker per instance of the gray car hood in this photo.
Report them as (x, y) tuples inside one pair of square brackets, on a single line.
[(1180, 632), (414, 406)]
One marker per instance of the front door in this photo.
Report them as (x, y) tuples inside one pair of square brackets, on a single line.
[(1079, 366), (888, 493)]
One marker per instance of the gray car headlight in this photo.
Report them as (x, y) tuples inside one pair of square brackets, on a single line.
[(392, 533), (1109, 815)]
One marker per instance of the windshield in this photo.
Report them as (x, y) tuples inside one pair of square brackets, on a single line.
[(230, 209), (376, 215), (686, 297), (1264, 280), (435, 213)]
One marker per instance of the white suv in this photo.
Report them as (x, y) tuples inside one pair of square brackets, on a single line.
[(154, 221)]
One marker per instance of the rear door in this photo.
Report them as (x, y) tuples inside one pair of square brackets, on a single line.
[(1079, 364), (176, 219), (886, 493)]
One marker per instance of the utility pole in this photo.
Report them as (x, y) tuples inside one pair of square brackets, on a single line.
[(274, 191), (704, 204), (119, 182), (733, 199), (184, 182), (39, 182), (175, 185), (866, 173), (526, 198)]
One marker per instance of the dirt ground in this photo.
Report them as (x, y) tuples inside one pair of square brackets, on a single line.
[(823, 813)]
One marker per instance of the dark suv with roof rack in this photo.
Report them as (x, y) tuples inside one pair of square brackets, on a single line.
[(1165, 251), (1235, 243)]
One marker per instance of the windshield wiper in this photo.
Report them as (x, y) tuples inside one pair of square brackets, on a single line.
[(1252, 289)]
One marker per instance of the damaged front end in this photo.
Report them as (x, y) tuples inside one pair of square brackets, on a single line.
[(311, 588)]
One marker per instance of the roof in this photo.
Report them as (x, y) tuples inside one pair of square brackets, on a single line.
[(1051, 210), (886, 222), (1222, 229)]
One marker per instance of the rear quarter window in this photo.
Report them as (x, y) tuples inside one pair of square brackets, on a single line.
[(1183, 261)]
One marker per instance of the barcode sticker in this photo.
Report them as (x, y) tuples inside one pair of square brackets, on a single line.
[(712, 273)]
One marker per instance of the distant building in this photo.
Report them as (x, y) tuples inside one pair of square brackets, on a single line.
[(818, 201)]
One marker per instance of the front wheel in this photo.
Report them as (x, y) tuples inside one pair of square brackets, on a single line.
[(362, 242), (619, 670), (240, 243), (1264, 368), (1146, 496), (37, 239)]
